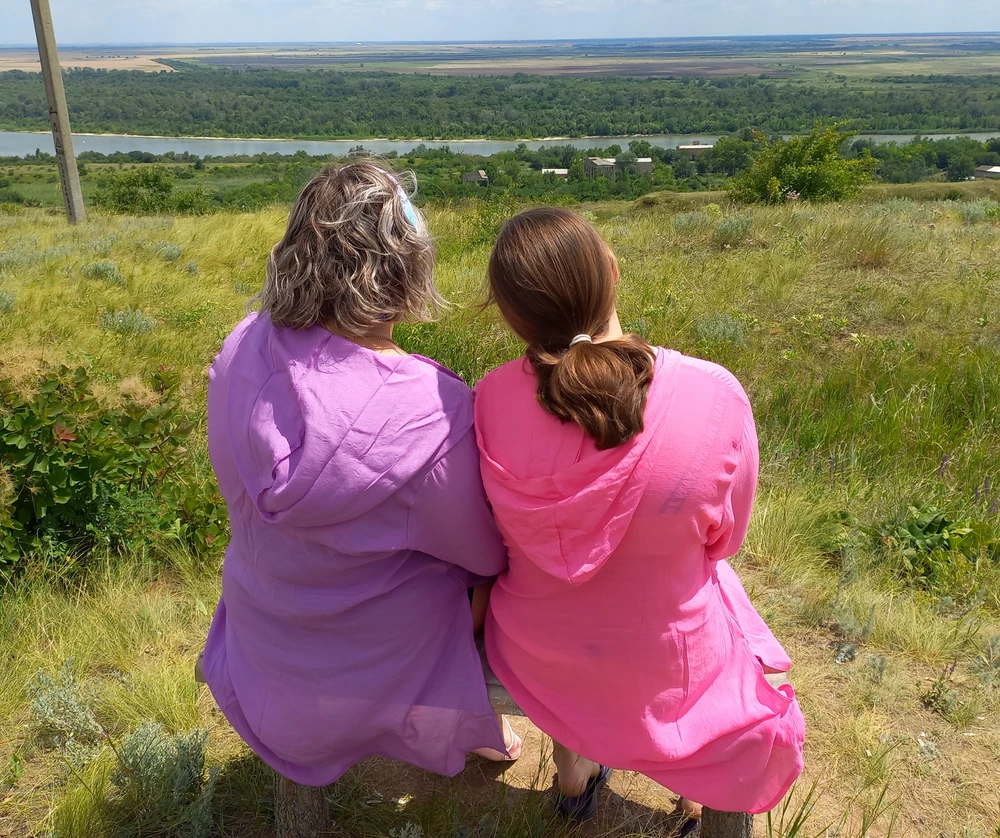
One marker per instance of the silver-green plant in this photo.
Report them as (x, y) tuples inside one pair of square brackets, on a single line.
[(127, 323), (163, 785), (106, 271), (62, 716)]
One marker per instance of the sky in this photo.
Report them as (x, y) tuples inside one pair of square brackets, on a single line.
[(272, 21)]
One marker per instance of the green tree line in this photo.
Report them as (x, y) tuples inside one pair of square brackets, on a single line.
[(197, 101)]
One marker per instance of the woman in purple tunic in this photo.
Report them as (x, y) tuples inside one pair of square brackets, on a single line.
[(358, 516)]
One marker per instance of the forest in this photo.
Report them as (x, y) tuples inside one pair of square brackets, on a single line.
[(199, 101)]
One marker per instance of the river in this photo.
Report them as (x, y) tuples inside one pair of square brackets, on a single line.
[(23, 143)]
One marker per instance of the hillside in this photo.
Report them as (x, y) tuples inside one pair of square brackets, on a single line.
[(868, 338)]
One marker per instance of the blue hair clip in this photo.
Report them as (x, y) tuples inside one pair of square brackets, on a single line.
[(408, 210)]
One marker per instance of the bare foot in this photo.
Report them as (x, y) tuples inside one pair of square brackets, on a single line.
[(689, 808), (574, 772)]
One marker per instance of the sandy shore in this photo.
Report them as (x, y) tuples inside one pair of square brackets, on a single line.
[(343, 139)]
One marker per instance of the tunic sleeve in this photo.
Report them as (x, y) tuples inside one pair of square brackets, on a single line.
[(451, 519), (727, 538)]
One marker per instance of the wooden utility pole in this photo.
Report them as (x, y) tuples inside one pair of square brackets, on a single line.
[(69, 177)]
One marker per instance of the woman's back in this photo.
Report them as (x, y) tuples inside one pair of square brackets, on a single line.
[(619, 628), (344, 629)]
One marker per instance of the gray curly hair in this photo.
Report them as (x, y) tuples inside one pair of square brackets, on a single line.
[(356, 254)]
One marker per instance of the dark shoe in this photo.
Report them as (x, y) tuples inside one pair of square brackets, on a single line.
[(584, 807), (689, 828)]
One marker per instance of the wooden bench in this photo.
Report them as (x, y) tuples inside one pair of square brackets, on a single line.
[(303, 811)]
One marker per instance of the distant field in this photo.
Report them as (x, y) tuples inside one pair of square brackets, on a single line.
[(126, 59), (778, 57)]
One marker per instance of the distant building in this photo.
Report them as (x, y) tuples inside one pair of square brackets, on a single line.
[(988, 171), (609, 167), (562, 174), (694, 149), (479, 178), (604, 166)]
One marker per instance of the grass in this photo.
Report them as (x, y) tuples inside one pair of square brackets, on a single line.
[(867, 338)]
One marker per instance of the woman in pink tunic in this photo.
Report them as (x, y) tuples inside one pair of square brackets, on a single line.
[(358, 515), (622, 477)]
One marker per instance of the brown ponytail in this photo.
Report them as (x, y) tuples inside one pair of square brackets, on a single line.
[(553, 278)]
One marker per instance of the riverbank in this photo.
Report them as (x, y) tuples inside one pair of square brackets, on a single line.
[(655, 139)]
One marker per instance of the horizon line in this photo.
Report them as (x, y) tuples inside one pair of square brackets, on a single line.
[(452, 41)]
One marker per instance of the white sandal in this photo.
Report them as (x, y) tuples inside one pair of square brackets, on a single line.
[(513, 742)]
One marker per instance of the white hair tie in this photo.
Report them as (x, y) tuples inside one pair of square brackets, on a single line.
[(580, 339)]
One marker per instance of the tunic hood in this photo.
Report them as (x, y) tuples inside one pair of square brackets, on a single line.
[(306, 459), (570, 521)]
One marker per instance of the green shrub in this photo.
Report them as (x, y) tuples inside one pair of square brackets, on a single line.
[(691, 223), (106, 272), (732, 230), (11, 196), (127, 323), (61, 715), (196, 201), (937, 551), (810, 168), (68, 467), (145, 190), (8, 301)]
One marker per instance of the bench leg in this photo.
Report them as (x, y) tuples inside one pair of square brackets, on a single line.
[(300, 811), (726, 824)]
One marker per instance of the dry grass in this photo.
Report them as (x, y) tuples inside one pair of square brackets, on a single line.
[(865, 373)]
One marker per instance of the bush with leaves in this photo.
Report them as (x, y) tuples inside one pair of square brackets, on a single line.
[(810, 168), (68, 464), (938, 551), (145, 190), (149, 190)]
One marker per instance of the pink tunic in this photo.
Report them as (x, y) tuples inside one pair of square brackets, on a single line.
[(619, 627)]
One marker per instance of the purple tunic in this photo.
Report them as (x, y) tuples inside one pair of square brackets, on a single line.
[(358, 523)]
